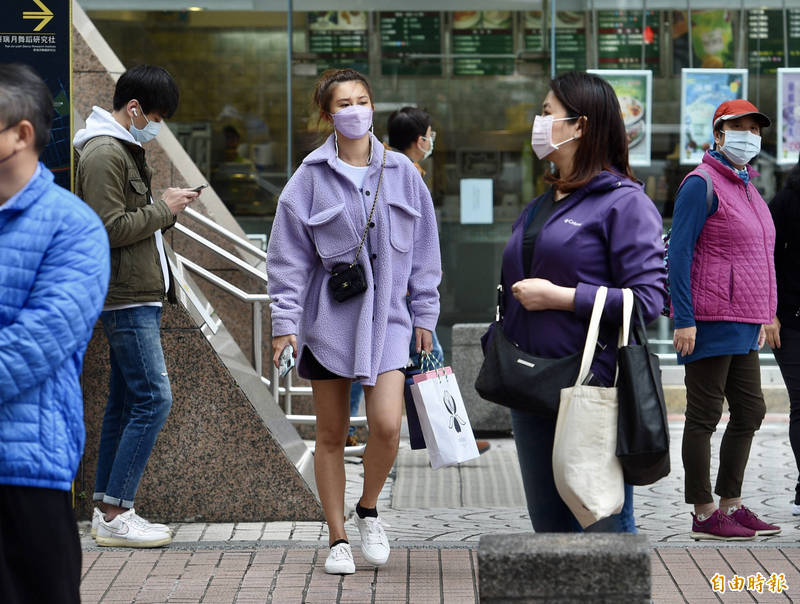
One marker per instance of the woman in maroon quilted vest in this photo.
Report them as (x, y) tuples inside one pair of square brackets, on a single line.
[(722, 278)]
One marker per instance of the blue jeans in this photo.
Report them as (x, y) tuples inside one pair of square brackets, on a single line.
[(549, 514), (139, 401)]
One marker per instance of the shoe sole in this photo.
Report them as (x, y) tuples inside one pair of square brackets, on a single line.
[(374, 561), (93, 533), (340, 572), (709, 536), (122, 542), (768, 532)]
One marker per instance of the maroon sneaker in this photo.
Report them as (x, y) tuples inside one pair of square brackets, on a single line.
[(748, 519), (720, 527)]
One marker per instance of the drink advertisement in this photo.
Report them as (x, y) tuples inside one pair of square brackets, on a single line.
[(634, 88), (702, 91), (788, 115)]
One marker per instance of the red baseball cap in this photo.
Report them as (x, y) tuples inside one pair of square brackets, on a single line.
[(730, 110)]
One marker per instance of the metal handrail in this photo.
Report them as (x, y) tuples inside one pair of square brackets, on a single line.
[(229, 235), (222, 283), (238, 262)]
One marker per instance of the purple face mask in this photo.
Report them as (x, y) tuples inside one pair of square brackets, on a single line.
[(353, 121)]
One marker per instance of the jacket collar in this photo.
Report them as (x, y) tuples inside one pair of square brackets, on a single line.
[(726, 171), (327, 153), (33, 190)]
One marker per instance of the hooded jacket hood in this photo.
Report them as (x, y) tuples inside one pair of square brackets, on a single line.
[(101, 123)]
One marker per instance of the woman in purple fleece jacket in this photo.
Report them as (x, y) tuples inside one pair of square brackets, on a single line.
[(348, 187), (594, 226)]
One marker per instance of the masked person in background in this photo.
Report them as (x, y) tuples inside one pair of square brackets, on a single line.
[(722, 281), (594, 226), (113, 177), (355, 230)]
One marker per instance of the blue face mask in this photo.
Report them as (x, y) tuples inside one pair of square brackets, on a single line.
[(148, 133)]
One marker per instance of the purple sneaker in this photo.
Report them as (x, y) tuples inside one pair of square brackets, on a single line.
[(720, 527), (748, 519)]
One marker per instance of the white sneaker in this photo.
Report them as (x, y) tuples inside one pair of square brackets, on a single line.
[(340, 560), (374, 543), (97, 516), (795, 509), (127, 530)]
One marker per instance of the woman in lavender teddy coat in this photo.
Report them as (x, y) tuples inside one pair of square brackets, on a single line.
[(347, 191)]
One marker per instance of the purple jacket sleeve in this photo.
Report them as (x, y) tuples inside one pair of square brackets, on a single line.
[(290, 256), (426, 263), (636, 261)]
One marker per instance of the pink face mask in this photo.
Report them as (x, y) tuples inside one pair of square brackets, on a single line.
[(353, 121), (542, 135)]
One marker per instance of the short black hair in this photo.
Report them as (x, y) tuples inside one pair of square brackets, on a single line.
[(406, 125), (152, 86), (25, 96)]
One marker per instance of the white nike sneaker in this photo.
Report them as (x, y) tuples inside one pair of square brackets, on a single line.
[(97, 516), (374, 543), (340, 560), (128, 530)]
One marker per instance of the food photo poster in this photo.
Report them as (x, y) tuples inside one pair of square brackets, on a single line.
[(634, 89), (702, 91), (788, 115)]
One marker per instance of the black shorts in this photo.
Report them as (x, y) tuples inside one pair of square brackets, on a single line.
[(311, 369)]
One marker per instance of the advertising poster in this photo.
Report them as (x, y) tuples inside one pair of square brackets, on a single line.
[(37, 33), (711, 39), (702, 91), (634, 88), (788, 115)]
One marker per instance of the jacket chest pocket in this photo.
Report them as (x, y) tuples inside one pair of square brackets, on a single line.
[(137, 196), (333, 232), (401, 224)]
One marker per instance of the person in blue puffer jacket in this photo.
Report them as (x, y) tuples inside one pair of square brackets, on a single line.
[(54, 272)]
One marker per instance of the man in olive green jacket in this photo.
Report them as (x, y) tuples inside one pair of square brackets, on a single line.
[(114, 179)]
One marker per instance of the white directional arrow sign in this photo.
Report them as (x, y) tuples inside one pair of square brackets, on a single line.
[(45, 15)]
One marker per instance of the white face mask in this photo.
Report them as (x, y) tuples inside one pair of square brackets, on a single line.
[(148, 133), (542, 135), (427, 152), (741, 146)]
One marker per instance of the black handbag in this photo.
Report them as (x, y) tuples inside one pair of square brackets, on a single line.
[(511, 377), (348, 280), (642, 429)]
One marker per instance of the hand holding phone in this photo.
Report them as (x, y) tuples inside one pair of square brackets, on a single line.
[(286, 361)]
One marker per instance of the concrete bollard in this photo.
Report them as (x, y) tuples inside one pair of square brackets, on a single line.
[(564, 568)]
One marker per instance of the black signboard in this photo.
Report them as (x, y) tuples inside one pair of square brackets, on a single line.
[(404, 36), (339, 39), (765, 40), (38, 33), (483, 43), (570, 41), (621, 35), (793, 27)]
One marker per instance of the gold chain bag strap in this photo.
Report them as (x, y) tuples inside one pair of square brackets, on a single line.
[(348, 280)]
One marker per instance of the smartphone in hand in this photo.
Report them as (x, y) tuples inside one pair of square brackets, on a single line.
[(286, 361), (198, 188)]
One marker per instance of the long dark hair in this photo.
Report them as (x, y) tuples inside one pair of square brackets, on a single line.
[(603, 145)]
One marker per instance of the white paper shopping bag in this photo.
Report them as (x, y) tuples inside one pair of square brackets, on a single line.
[(443, 418)]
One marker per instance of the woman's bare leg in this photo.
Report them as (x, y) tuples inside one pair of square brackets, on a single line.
[(332, 408)]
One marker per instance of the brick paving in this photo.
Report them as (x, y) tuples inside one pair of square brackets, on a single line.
[(434, 549)]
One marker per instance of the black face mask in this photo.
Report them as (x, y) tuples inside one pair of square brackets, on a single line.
[(13, 153)]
